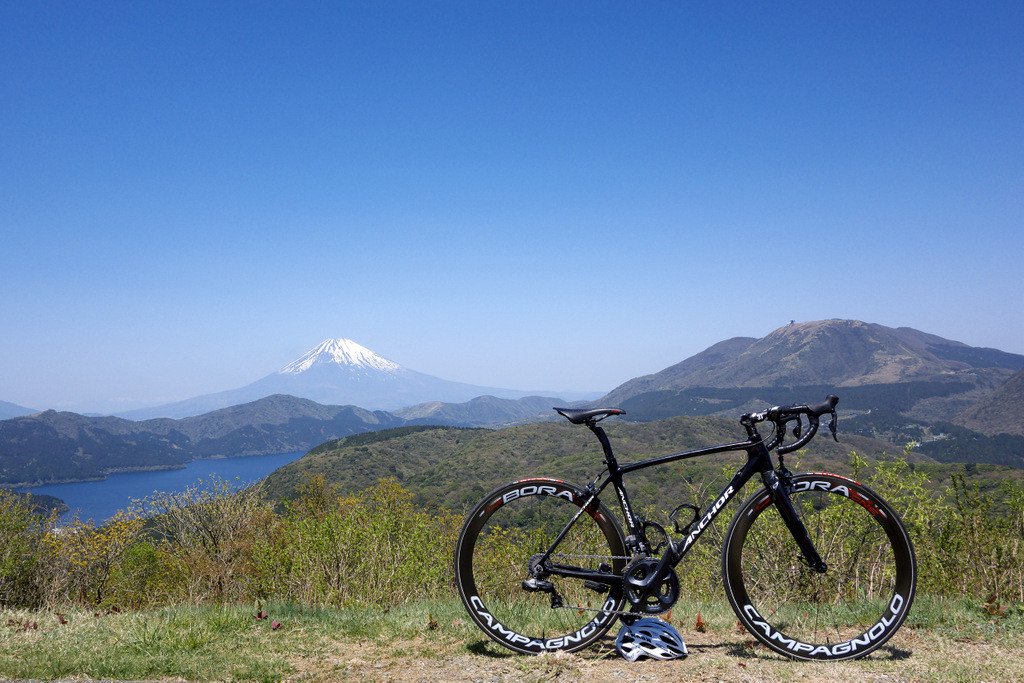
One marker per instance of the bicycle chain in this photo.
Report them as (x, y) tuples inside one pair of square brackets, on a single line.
[(615, 612), (596, 557)]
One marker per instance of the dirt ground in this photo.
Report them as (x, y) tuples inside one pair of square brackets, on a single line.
[(909, 656)]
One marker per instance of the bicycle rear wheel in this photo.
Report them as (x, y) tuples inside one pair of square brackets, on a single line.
[(506, 534), (845, 613)]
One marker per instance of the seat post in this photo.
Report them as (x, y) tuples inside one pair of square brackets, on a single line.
[(606, 445)]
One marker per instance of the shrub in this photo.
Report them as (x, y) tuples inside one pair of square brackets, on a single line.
[(22, 531), (211, 543), (371, 548), (82, 558), (965, 546), (206, 533)]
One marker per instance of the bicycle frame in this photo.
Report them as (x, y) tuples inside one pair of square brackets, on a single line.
[(758, 462)]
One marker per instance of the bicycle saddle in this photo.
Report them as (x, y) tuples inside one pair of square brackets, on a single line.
[(578, 417)]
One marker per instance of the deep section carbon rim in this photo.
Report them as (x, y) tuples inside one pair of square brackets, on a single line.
[(848, 611), (505, 534)]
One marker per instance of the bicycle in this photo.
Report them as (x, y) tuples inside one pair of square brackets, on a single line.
[(816, 566)]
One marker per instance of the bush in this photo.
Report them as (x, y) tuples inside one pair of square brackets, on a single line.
[(211, 543), (371, 548), (965, 546), (83, 558), (206, 534), (22, 531)]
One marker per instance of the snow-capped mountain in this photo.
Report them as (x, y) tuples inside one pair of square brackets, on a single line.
[(343, 352), (337, 372)]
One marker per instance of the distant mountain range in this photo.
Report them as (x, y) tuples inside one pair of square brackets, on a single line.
[(896, 384), (337, 372), (13, 410), (482, 411), (871, 367), (840, 353), (53, 446)]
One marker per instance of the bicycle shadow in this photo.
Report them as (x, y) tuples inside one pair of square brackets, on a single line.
[(483, 649), (748, 650), (602, 649), (751, 650), (895, 654)]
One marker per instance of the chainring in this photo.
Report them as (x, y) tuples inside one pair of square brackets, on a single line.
[(661, 599)]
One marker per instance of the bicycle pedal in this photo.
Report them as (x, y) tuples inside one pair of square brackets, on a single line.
[(596, 587), (533, 585)]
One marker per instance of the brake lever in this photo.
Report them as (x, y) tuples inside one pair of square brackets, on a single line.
[(832, 426), (782, 428)]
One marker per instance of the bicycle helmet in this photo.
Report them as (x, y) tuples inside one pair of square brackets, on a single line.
[(649, 637)]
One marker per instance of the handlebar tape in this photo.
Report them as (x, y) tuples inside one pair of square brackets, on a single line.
[(826, 407), (812, 412)]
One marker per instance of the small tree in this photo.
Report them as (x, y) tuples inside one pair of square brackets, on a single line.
[(22, 531), (84, 557), (209, 529)]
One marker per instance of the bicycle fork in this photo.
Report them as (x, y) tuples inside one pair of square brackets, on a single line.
[(778, 491), (778, 485)]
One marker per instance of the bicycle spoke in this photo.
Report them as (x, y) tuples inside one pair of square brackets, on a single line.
[(501, 546), (846, 611)]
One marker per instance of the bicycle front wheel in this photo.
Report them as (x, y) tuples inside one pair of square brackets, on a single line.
[(504, 538), (844, 613)]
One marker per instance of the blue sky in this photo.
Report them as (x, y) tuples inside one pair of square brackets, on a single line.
[(532, 195)]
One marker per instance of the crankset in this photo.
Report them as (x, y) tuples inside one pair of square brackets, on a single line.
[(646, 598)]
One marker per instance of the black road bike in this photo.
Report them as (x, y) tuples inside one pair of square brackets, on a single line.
[(816, 566)]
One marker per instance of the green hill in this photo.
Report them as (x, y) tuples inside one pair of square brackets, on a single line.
[(454, 468)]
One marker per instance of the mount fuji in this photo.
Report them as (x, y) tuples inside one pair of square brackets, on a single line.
[(337, 372)]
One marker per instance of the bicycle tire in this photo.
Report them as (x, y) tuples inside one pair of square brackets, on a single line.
[(845, 613), (508, 529)]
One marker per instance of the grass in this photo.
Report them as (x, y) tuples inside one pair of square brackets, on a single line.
[(196, 643), (943, 640), (202, 643)]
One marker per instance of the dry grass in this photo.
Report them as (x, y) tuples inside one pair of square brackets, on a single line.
[(961, 645), (911, 656), (436, 642)]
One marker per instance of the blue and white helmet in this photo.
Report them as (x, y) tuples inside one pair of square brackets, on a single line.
[(649, 637)]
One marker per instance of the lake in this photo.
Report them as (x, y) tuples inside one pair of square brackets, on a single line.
[(100, 500)]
